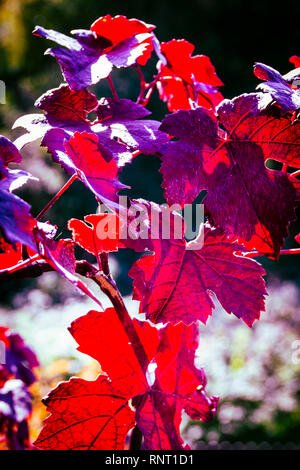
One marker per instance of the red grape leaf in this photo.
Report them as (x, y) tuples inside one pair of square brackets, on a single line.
[(118, 28), (90, 235), (109, 232), (295, 60), (65, 109), (65, 106), (87, 415), (244, 197), (185, 76), (94, 165), (162, 390), (103, 337), (275, 132), (175, 384), (90, 56), (8, 255), (176, 272), (60, 255)]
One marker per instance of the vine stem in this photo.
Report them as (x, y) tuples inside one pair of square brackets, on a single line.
[(34, 267), (296, 173), (289, 251), (112, 88), (57, 196), (142, 83), (21, 265), (147, 88)]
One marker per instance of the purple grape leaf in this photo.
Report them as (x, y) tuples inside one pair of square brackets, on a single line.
[(15, 401), (119, 127), (65, 109), (20, 360), (243, 196), (8, 154), (278, 87), (121, 120), (16, 222), (89, 58)]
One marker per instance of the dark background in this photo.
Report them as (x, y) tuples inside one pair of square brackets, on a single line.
[(233, 33)]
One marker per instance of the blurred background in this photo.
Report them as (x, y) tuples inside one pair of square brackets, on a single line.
[(252, 370)]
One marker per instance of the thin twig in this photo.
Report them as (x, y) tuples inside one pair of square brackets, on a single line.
[(142, 83), (57, 196), (296, 173), (290, 251), (112, 87)]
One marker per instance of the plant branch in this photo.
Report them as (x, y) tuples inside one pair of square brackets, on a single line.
[(289, 251), (109, 288), (112, 88), (57, 196), (142, 83), (106, 284)]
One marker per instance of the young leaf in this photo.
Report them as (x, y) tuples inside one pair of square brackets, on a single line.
[(119, 127), (91, 55), (94, 165), (90, 235), (278, 87), (295, 60), (65, 110), (184, 77)]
